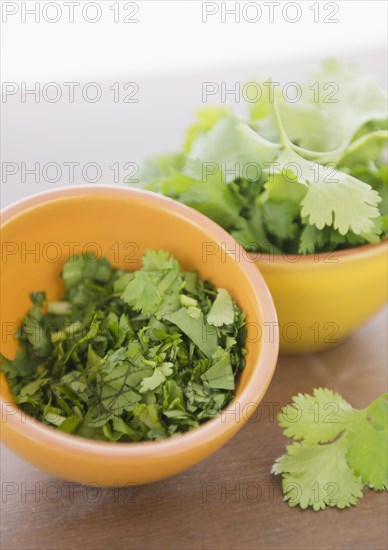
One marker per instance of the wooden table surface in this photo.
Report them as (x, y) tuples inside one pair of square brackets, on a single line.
[(230, 500)]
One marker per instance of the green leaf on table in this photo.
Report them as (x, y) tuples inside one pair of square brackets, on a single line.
[(317, 418), (339, 450), (368, 449), (318, 476)]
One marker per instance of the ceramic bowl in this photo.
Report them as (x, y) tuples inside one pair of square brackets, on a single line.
[(40, 233), (321, 298)]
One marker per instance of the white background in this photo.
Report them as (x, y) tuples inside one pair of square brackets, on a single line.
[(171, 36), (169, 53)]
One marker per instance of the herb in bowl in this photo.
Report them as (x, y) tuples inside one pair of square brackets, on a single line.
[(128, 356), (297, 176)]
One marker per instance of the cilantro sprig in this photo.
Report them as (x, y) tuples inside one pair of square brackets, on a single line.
[(337, 450), (128, 356), (296, 176)]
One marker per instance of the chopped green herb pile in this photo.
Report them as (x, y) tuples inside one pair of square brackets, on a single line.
[(338, 450), (298, 176), (128, 356)]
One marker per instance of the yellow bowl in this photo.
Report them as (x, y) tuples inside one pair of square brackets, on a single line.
[(40, 233), (322, 298)]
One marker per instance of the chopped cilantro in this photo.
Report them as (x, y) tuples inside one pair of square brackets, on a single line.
[(128, 356)]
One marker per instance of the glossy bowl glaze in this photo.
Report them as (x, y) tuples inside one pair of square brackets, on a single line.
[(321, 298), (40, 233)]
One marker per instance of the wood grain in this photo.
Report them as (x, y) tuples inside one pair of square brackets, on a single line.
[(230, 500)]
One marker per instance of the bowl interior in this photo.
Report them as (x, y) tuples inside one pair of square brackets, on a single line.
[(39, 235)]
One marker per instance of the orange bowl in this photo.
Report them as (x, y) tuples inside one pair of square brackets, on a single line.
[(40, 233)]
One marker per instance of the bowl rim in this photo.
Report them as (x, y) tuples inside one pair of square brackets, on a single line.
[(214, 428), (345, 253)]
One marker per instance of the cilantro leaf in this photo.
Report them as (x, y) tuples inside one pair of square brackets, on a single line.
[(142, 292), (365, 149), (284, 186), (152, 382), (207, 193), (72, 273), (279, 218), (318, 476), (222, 310), (206, 119), (341, 449), (312, 239), (367, 453), (220, 374), (318, 126), (345, 203), (160, 166), (31, 389), (158, 260), (333, 198), (251, 233), (33, 329), (228, 148), (149, 417), (197, 330), (70, 424), (317, 418)]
